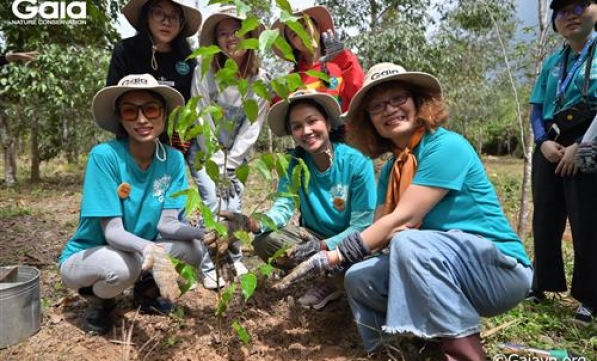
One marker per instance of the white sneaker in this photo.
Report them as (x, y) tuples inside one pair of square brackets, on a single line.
[(240, 268), (319, 295), (211, 283)]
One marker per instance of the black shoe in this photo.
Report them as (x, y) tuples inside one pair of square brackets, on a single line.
[(536, 296), (97, 319), (147, 296)]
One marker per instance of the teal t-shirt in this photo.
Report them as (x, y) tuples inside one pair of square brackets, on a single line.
[(347, 187), (446, 160), (546, 86), (111, 164)]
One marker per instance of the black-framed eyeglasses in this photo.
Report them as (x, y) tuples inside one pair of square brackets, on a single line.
[(129, 112), (395, 100), (576, 10), (226, 34), (159, 15)]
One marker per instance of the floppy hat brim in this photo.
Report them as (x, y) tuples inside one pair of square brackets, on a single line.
[(192, 16), (104, 104), (209, 27), (276, 117), (420, 80), (319, 13)]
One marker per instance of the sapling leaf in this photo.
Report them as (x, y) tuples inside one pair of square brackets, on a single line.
[(241, 332), (248, 284)]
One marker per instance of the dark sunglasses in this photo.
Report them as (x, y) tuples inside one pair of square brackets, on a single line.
[(576, 10), (129, 112)]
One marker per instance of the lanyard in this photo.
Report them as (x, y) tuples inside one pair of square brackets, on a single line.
[(563, 84)]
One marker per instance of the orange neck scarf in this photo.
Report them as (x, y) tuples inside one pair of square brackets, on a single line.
[(405, 166)]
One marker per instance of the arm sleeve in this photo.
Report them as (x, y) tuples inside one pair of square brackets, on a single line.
[(121, 239), (352, 74), (539, 132), (171, 228), (358, 222), (117, 69)]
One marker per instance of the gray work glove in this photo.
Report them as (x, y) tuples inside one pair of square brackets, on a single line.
[(309, 269), (301, 252), (586, 157), (332, 44)]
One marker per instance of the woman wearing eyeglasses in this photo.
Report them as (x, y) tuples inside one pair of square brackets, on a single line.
[(235, 132), (452, 255), (128, 223), (160, 47), (564, 102)]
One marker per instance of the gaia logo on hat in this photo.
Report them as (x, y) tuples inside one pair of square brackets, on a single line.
[(386, 73)]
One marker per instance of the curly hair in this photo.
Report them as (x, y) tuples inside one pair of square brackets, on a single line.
[(432, 112)]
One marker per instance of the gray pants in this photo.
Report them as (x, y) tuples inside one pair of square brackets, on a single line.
[(110, 271)]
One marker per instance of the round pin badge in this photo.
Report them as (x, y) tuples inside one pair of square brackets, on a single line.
[(182, 68)]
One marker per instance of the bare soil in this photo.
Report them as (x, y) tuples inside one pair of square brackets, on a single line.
[(37, 221)]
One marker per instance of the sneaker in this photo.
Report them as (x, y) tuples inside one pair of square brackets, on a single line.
[(210, 280), (240, 268), (536, 296), (319, 295), (583, 315)]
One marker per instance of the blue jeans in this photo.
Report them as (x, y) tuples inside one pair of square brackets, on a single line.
[(207, 189), (433, 284)]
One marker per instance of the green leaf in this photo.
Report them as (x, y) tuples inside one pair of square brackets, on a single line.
[(213, 170), (205, 51), (318, 74), (265, 220), (282, 45), (280, 88), (293, 81), (261, 89), (241, 332), (225, 299), (250, 44), (284, 5), (267, 39), (279, 253), (206, 63), (263, 170), (266, 269), (251, 109), (248, 284), (243, 86), (282, 164), (249, 24), (243, 236), (242, 173), (303, 33)]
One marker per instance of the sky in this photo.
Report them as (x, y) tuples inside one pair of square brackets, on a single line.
[(527, 13)]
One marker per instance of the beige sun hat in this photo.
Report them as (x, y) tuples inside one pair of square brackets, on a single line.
[(276, 117), (104, 101), (222, 13), (318, 13), (192, 16), (385, 72)]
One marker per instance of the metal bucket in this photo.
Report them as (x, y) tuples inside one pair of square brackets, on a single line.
[(19, 305)]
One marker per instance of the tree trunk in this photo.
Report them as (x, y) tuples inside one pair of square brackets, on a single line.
[(10, 163), (525, 208), (35, 150)]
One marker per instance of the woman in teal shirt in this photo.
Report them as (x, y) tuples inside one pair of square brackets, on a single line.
[(452, 256), (129, 219)]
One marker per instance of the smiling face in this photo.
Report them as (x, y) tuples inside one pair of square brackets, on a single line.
[(165, 21), (142, 116), (393, 112), (309, 127), (227, 40), (577, 20)]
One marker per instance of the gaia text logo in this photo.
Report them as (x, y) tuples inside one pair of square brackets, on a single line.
[(49, 12)]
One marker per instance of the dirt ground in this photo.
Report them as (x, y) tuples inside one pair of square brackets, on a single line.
[(36, 223)]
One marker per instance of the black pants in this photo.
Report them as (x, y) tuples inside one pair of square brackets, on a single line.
[(556, 198)]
